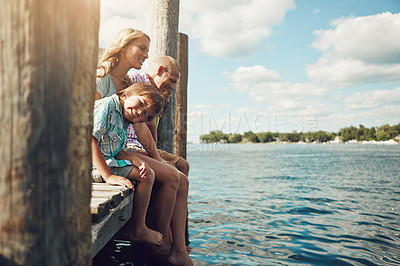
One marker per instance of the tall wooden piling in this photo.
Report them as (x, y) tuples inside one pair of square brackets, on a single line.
[(181, 98), (48, 56), (164, 41)]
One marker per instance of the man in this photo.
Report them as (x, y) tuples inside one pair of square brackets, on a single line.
[(163, 73)]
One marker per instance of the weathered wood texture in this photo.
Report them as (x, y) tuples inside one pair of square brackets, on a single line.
[(111, 208), (164, 41), (48, 56), (181, 98)]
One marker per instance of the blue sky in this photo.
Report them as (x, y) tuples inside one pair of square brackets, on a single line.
[(281, 65)]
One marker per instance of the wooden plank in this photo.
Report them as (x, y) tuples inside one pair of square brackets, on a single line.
[(105, 198), (99, 208), (164, 41), (48, 55), (105, 230), (181, 98)]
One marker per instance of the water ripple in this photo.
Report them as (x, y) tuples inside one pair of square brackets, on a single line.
[(295, 204)]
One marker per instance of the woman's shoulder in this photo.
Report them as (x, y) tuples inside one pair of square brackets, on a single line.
[(105, 86), (103, 80)]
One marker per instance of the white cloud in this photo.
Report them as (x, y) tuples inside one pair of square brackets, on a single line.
[(368, 118), (371, 99), (254, 74), (116, 15), (209, 106), (358, 50), (247, 110), (222, 28), (344, 72), (267, 86), (231, 29)]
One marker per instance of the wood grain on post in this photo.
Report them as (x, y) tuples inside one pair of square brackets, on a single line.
[(164, 41), (48, 57), (181, 98)]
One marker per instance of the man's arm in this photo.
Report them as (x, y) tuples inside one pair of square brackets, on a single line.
[(146, 139), (152, 125)]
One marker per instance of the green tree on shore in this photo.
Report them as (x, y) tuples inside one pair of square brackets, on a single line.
[(361, 133), (249, 136)]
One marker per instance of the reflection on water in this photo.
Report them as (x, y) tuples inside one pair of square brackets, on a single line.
[(264, 204)]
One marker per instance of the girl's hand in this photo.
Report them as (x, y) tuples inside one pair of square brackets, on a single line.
[(119, 180), (143, 168), (136, 161)]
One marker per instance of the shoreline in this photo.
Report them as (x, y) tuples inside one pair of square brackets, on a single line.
[(350, 142)]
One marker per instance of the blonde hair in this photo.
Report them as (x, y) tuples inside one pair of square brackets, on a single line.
[(154, 100), (112, 53)]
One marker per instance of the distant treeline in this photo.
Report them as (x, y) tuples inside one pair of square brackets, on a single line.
[(361, 133)]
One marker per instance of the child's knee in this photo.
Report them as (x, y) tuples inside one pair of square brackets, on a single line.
[(150, 176)]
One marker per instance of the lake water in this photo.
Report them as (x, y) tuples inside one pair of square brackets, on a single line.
[(277, 204), (289, 204)]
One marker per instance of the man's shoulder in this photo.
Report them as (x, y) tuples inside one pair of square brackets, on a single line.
[(138, 77)]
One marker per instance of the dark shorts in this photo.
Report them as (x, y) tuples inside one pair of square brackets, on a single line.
[(120, 171), (171, 158)]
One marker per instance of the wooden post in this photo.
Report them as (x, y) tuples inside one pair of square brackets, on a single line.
[(48, 56), (164, 41), (181, 98)]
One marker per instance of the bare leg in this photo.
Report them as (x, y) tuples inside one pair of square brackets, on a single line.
[(183, 166), (171, 205), (138, 229), (165, 199), (179, 253)]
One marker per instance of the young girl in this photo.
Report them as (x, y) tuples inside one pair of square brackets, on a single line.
[(135, 104)]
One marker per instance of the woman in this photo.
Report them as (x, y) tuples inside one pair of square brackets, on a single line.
[(128, 50)]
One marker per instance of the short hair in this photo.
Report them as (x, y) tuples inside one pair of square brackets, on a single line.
[(112, 53), (154, 99), (166, 61)]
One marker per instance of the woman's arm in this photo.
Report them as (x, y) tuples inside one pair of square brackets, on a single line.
[(104, 170), (97, 96)]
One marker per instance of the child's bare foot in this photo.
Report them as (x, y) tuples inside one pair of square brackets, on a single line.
[(146, 235), (180, 257)]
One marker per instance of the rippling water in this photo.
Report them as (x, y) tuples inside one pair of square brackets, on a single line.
[(268, 204)]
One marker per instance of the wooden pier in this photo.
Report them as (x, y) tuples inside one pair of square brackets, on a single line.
[(111, 207), (47, 78)]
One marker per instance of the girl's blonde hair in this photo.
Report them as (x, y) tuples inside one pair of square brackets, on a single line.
[(112, 53), (154, 100)]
